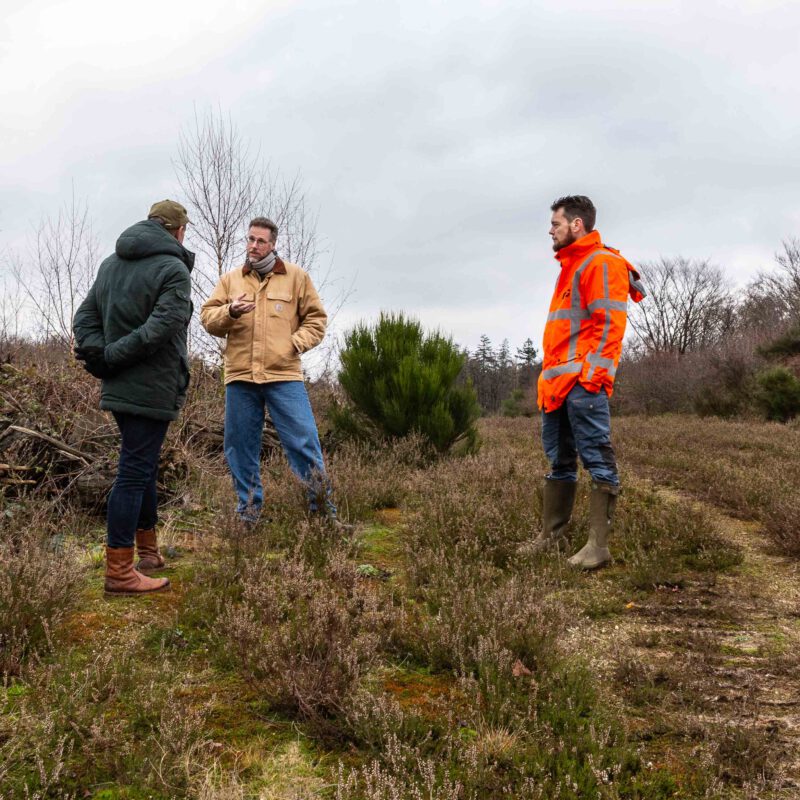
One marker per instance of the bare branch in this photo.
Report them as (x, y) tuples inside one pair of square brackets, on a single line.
[(59, 270), (225, 183), (689, 306)]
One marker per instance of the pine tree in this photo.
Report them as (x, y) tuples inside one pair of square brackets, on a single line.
[(526, 360), (400, 380), (527, 354)]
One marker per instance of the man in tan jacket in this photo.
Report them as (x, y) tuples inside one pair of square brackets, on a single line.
[(269, 312)]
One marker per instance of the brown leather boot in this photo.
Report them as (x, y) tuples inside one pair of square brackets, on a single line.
[(150, 559), (122, 578)]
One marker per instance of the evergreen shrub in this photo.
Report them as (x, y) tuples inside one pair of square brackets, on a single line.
[(401, 380), (783, 346), (514, 405), (778, 394)]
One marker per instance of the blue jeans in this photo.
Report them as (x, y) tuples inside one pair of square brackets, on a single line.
[(580, 426), (287, 403), (133, 500)]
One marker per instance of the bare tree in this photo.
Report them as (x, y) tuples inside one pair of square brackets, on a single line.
[(773, 298), (221, 180), (225, 183), (284, 202), (12, 300), (59, 270), (689, 306)]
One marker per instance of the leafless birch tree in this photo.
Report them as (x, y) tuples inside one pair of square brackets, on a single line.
[(58, 272), (220, 180), (225, 182)]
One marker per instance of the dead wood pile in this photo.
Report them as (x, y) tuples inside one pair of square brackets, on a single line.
[(53, 438)]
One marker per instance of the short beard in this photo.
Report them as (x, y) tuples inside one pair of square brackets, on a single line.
[(571, 240)]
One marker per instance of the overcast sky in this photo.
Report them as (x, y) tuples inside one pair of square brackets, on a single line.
[(431, 136)]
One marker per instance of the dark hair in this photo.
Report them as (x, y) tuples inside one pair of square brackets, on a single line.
[(263, 222), (577, 205)]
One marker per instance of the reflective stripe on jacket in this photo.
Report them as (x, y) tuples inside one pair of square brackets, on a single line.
[(265, 344), (586, 323)]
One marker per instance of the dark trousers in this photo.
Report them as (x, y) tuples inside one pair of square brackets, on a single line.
[(133, 500)]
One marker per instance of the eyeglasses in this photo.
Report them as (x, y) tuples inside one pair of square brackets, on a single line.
[(259, 242)]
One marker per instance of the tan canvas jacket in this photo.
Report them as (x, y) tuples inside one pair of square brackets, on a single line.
[(265, 345)]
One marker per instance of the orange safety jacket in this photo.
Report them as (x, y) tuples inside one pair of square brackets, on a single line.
[(586, 323)]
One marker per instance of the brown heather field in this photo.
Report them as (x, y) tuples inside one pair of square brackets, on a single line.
[(420, 658)]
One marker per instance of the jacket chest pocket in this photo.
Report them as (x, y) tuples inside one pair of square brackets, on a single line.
[(279, 303)]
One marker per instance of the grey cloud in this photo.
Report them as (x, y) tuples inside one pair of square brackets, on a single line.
[(433, 137)]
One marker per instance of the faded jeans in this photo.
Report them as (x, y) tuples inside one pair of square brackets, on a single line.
[(581, 426), (287, 403)]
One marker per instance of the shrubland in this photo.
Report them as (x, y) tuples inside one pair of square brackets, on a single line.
[(417, 657)]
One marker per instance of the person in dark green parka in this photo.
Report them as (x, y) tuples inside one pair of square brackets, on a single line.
[(130, 331)]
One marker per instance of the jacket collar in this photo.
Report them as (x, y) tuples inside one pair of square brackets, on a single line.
[(579, 249), (279, 268)]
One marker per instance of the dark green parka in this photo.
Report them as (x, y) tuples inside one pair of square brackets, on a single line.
[(139, 310)]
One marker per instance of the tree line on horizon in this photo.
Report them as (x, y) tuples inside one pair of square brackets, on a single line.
[(695, 343)]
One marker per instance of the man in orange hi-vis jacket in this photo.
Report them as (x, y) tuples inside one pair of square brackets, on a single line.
[(582, 347)]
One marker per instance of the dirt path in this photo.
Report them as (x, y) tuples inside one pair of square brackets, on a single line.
[(721, 656)]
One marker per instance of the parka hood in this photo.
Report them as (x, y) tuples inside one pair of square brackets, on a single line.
[(148, 238), (585, 246)]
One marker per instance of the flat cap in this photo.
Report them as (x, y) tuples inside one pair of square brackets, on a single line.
[(173, 214)]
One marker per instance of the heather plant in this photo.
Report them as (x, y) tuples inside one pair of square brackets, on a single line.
[(497, 624), (749, 468), (40, 579), (529, 759), (400, 380), (307, 639), (488, 501), (447, 666), (662, 543), (471, 609), (113, 717), (366, 478)]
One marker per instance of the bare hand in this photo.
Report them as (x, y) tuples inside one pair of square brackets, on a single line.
[(241, 305)]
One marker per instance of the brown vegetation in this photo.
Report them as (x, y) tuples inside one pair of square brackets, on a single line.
[(749, 468), (420, 657)]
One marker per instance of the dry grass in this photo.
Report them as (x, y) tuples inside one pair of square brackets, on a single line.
[(749, 468)]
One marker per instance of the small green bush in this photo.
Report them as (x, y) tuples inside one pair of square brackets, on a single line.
[(783, 346), (514, 405), (778, 394), (401, 380)]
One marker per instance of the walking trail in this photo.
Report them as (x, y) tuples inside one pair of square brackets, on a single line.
[(721, 654)]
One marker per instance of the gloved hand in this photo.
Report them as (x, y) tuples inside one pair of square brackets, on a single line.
[(94, 361)]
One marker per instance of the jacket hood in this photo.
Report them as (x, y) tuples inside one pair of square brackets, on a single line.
[(583, 247), (149, 238)]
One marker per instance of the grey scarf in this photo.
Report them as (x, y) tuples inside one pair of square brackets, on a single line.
[(264, 267)]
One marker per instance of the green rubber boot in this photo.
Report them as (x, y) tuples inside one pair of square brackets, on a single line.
[(558, 500), (595, 552)]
